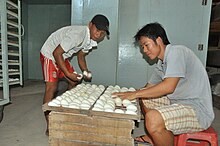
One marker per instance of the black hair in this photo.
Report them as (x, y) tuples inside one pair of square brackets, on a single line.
[(152, 31)]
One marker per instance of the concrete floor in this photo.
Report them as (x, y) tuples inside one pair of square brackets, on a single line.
[(24, 125)]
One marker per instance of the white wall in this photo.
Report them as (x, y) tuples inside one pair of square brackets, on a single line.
[(42, 21)]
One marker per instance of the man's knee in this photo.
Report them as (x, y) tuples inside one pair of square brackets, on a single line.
[(51, 87), (154, 121)]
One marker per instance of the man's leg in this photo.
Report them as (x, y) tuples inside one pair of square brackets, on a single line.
[(156, 128), (156, 102), (50, 90)]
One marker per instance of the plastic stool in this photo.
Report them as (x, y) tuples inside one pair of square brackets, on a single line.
[(204, 138)]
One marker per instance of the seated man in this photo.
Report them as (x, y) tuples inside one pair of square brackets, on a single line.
[(177, 98)]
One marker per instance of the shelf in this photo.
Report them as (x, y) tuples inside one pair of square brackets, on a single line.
[(12, 43), (12, 14), (11, 53), (12, 23), (15, 34), (10, 50), (11, 72), (11, 5), (11, 81)]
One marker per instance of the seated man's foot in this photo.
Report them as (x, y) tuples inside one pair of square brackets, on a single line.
[(143, 138), (47, 132)]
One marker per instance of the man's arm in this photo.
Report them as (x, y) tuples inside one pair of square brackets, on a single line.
[(82, 60), (167, 86), (57, 53)]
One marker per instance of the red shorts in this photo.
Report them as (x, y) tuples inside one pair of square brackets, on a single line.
[(51, 71)]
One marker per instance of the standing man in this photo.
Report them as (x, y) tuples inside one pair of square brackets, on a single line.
[(60, 47), (177, 98)]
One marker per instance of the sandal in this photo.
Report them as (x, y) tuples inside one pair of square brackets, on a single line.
[(141, 139)]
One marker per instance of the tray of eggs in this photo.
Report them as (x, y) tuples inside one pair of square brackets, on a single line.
[(109, 104), (96, 98), (83, 96)]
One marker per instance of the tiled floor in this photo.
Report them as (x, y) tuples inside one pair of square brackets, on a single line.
[(23, 123)]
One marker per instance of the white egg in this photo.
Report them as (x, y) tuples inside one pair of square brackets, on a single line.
[(84, 95), (106, 95), (80, 77), (52, 104), (118, 101), (59, 98), (80, 98), (95, 94), (98, 92), (92, 97), (130, 112), (83, 84), (84, 106), (89, 92), (108, 110), (109, 99), (91, 101), (124, 88), (117, 87), (72, 97), (76, 106), (99, 105), (119, 111), (108, 106), (77, 94), (85, 73), (131, 89), (100, 102), (56, 101), (65, 105), (94, 86), (111, 102), (131, 107), (97, 109), (64, 95), (80, 85), (115, 90), (133, 101), (77, 101), (64, 102), (102, 98), (68, 99), (73, 90), (68, 93), (86, 102), (101, 87), (126, 102), (89, 75), (108, 92), (88, 85)]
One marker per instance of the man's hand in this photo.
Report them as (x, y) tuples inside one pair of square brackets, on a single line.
[(87, 75), (125, 95), (74, 77)]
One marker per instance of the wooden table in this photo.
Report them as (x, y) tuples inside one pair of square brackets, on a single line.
[(89, 128)]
